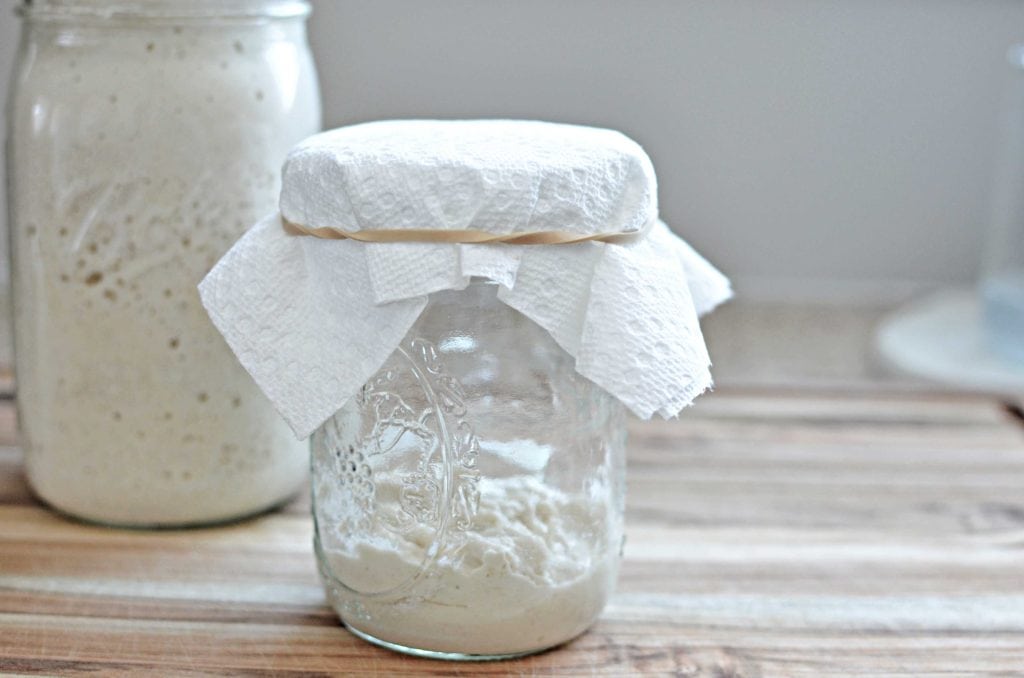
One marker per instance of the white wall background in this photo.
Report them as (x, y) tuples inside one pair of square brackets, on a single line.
[(836, 148)]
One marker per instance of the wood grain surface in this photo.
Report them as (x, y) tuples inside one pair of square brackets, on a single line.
[(770, 533)]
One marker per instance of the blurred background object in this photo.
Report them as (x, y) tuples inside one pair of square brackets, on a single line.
[(973, 337), (835, 155), (1002, 281), (140, 147)]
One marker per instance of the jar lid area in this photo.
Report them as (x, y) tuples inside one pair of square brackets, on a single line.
[(492, 177), (164, 9)]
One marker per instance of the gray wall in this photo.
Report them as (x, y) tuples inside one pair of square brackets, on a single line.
[(812, 148)]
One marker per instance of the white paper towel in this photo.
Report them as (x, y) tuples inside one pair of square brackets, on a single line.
[(499, 176), (312, 320)]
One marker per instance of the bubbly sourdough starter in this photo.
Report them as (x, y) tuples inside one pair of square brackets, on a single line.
[(138, 157), (533, 571)]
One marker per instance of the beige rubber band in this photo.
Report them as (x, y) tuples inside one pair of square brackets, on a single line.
[(465, 236)]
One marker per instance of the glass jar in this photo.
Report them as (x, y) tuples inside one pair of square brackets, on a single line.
[(144, 137), (469, 500), (1002, 282)]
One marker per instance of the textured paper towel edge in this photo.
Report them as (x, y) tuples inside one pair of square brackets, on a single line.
[(243, 295)]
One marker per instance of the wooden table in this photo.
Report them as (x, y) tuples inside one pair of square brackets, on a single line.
[(770, 533)]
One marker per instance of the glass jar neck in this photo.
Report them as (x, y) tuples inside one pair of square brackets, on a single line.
[(162, 10)]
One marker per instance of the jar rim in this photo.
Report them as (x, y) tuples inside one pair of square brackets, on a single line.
[(182, 10)]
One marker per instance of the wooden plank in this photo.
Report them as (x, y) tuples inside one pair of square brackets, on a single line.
[(770, 533), (616, 646)]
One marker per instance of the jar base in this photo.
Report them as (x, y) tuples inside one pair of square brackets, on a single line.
[(433, 654), (150, 526)]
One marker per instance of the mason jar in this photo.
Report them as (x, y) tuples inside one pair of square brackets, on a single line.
[(144, 137), (469, 500), (1002, 276)]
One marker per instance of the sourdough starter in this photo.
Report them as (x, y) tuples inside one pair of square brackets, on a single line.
[(533, 571), (140, 152)]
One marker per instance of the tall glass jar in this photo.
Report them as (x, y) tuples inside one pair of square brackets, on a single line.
[(144, 137), (469, 499), (1002, 283)]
